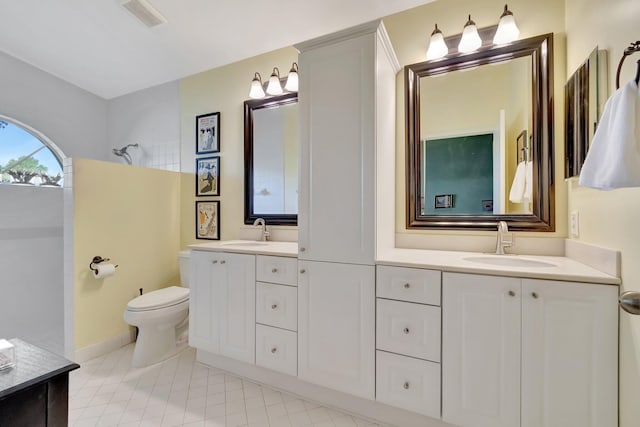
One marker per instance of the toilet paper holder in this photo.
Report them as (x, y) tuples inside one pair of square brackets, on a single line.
[(98, 260)]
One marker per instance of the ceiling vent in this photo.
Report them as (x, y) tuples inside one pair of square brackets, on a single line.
[(145, 13)]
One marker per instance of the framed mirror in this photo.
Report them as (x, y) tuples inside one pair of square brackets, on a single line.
[(271, 160), (479, 131)]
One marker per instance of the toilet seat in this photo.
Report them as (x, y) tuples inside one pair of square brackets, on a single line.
[(158, 299)]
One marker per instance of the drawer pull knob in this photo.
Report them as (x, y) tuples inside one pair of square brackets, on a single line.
[(406, 385), (274, 306), (303, 271), (405, 330), (534, 294), (223, 261), (512, 294), (215, 261), (274, 270), (302, 249), (407, 286), (274, 350)]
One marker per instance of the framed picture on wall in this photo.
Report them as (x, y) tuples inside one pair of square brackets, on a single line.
[(208, 220), (208, 176), (208, 133)]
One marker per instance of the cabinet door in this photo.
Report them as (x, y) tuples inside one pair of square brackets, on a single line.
[(337, 152), (236, 305), (569, 354), (336, 326), (481, 350), (203, 323)]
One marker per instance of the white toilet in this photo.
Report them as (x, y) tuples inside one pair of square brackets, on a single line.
[(162, 318)]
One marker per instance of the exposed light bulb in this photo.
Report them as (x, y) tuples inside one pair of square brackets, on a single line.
[(507, 30), (256, 91), (470, 39), (437, 46), (292, 79), (274, 87)]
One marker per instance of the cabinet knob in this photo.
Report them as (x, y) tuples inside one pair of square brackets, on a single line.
[(223, 261), (303, 271), (534, 295), (512, 294), (274, 270), (274, 350), (274, 306), (302, 249), (407, 285), (215, 261), (405, 330), (406, 385)]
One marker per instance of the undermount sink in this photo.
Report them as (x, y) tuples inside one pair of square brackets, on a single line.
[(247, 243), (509, 261)]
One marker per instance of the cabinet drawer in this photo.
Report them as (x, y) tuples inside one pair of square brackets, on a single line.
[(409, 284), (277, 349), (274, 269), (276, 305), (410, 329), (408, 383)]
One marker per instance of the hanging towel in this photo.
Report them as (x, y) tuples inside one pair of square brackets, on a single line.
[(518, 186), (528, 183), (613, 161)]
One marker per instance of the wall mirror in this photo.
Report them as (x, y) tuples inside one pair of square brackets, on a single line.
[(480, 137), (271, 160)]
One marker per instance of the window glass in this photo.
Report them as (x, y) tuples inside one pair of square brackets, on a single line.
[(25, 159)]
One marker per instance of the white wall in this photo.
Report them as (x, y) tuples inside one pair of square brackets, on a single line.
[(150, 118), (74, 119), (31, 297), (610, 218)]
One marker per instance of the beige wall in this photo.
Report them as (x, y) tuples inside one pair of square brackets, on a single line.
[(222, 89), (132, 216), (409, 33), (610, 218)]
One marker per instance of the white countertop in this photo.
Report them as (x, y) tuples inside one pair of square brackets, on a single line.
[(562, 268), (286, 249), (559, 268)]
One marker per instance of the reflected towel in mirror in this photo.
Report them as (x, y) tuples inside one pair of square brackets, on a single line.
[(613, 161), (518, 186)]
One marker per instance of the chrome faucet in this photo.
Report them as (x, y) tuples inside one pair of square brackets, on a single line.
[(264, 234), (502, 240)]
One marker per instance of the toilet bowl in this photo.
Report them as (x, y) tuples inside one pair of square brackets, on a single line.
[(162, 318)]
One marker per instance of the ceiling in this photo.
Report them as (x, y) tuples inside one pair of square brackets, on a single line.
[(100, 47)]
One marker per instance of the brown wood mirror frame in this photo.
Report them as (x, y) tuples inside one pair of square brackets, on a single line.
[(250, 106), (540, 49)]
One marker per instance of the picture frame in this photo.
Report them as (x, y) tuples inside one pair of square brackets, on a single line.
[(208, 176), (208, 220), (208, 133)]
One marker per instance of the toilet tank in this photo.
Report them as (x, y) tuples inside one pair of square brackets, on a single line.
[(183, 264)]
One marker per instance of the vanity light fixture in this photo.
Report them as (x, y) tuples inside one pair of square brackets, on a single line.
[(470, 39), (256, 92), (507, 29), (292, 78), (437, 46), (274, 87)]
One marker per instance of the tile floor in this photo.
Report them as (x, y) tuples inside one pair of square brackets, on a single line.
[(182, 392)]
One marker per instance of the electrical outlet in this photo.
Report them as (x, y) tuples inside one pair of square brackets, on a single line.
[(574, 224)]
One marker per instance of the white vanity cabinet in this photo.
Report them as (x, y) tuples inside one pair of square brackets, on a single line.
[(336, 326), (222, 304), (530, 353)]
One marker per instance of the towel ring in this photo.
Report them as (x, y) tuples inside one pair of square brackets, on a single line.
[(633, 47)]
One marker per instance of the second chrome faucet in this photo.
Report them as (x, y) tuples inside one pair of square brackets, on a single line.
[(264, 233), (503, 239)]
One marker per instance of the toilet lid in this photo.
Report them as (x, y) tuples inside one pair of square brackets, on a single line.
[(157, 299)]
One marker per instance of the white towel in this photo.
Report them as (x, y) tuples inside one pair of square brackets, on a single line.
[(613, 161), (528, 183), (518, 186)]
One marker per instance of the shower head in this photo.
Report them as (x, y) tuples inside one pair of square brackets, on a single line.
[(122, 152)]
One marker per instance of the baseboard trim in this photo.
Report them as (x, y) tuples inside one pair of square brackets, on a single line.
[(371, 410), (104, 347)]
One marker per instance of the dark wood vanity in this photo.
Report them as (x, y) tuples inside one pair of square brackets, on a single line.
[(35, 391)]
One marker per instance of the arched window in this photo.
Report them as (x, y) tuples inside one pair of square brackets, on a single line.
[(27, 158)]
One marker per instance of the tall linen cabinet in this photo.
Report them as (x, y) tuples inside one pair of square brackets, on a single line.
[(346, 201)]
